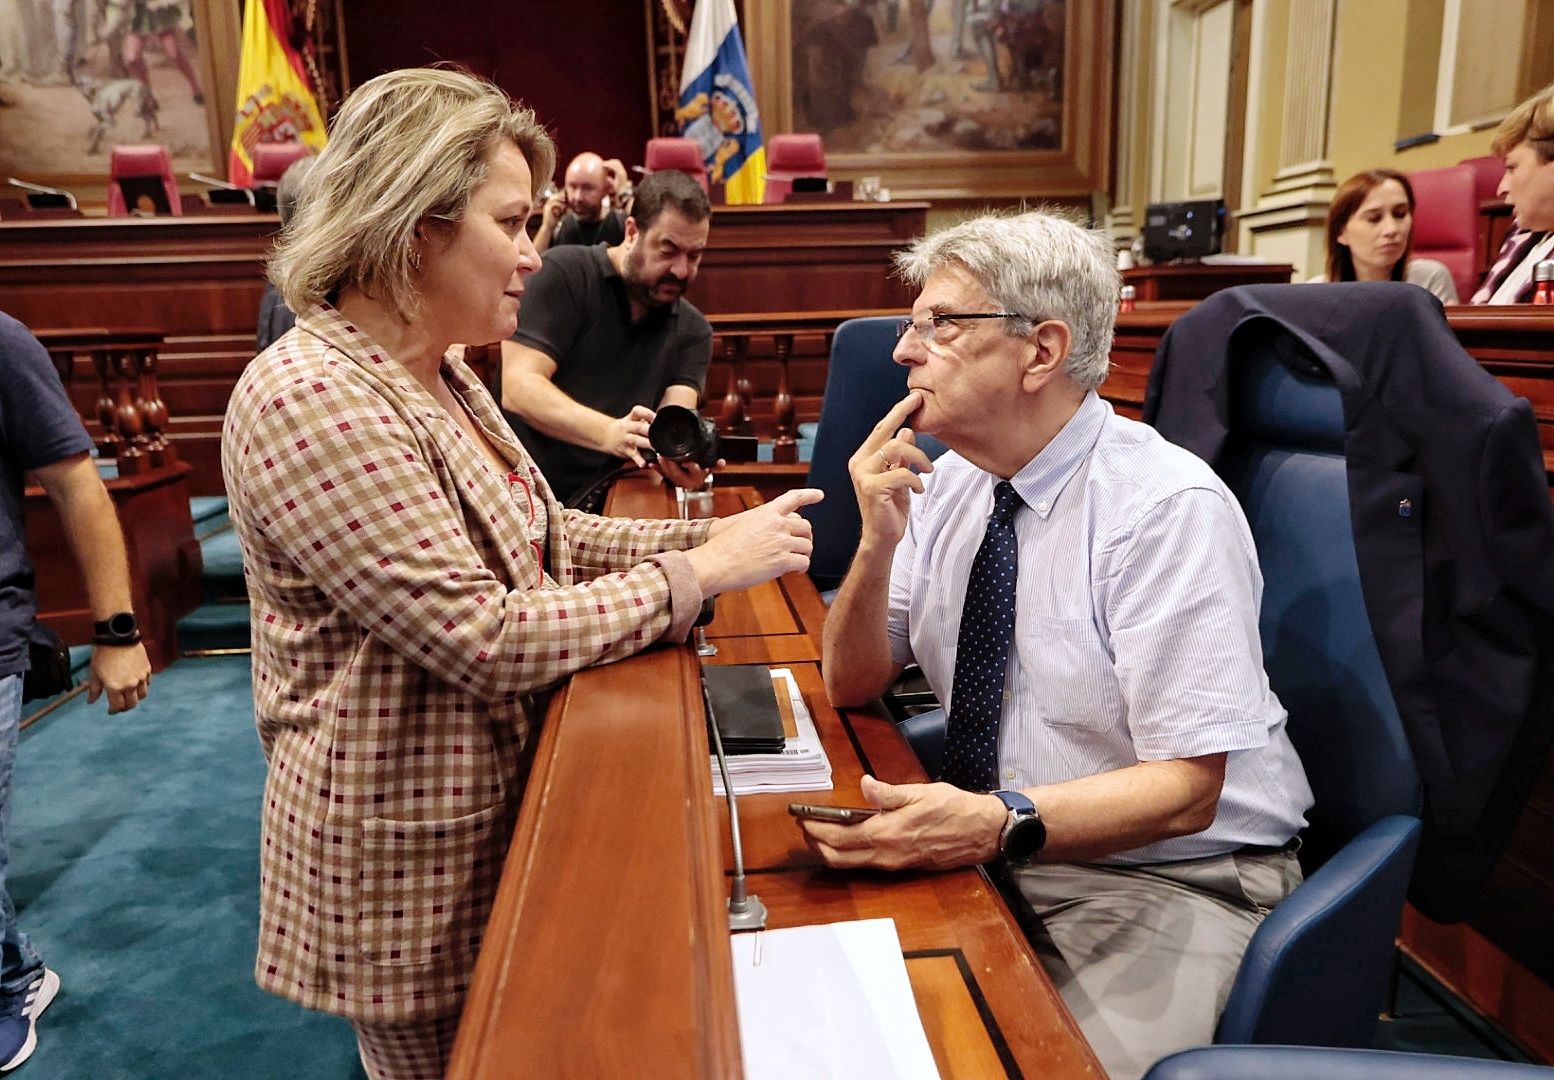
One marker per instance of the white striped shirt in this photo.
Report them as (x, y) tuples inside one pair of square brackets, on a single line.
[(1135, 622)]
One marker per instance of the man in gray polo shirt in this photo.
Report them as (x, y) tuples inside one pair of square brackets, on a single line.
[(605, 338)]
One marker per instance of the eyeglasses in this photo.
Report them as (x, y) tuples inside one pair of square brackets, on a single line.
[(929, 333)]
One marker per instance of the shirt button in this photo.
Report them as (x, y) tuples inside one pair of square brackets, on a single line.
[(1008, 774), (1043, 506)]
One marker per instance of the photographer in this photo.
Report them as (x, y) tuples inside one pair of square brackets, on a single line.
[(606, 338)]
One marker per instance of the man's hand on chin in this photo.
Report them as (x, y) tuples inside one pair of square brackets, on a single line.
[(924, 826)]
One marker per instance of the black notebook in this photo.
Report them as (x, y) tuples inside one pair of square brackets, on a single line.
[(743, 701)]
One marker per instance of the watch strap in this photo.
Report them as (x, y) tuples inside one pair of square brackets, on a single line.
[(1016, 802)]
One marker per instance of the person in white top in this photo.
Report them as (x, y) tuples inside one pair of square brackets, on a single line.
[(1525, 140), (1370, 235), (1112, 743)]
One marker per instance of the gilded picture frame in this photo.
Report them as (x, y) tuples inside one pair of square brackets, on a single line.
[(903, 90), (86, 76)]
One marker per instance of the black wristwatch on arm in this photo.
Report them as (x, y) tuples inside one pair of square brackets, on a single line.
[(119, 628), (1024, 833)]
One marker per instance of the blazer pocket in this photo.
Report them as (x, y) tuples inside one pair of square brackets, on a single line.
[(415, 883)]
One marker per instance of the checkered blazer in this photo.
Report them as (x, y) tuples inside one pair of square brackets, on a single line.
[(410, 607)]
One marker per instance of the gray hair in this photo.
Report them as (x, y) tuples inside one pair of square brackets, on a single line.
[(289, 190), (406, 146), (1041, 264)]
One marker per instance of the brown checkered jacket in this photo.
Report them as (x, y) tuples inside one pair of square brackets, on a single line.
[(410, 605)]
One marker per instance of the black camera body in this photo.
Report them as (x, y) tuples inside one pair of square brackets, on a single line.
[(681, 435)]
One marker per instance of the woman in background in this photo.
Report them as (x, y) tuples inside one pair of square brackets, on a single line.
[(1370, 233), (416, 590)]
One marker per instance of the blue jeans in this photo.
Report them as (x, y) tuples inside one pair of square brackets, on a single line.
[(21, 959)]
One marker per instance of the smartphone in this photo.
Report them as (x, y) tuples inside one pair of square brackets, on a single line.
[(842, 815)]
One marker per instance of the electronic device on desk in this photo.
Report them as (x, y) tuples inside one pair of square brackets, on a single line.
[(39, 197), (221, 193), (1183, 230)]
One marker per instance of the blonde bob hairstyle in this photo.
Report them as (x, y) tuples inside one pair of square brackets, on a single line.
[(1531, 122), (406, 147)]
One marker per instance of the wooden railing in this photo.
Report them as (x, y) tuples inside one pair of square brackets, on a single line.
[(739, 356), (131, 419)]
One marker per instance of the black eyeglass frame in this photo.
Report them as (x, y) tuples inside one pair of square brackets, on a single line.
[(938, 317)]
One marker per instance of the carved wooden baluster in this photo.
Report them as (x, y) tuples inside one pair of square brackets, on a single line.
[(786, 450), (126, 417), (109, 445), (153, 410), (734, 349), (745, 390)]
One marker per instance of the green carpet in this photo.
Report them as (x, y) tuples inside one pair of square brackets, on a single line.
[(135, 869)]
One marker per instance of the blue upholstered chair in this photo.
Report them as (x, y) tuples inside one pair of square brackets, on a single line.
[(1321, 1063), (1316, 970), (862, 383)]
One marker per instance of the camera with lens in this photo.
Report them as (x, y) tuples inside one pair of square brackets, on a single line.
[(681, 435)]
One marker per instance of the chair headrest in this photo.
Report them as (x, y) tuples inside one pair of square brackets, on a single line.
[(271, 160), (140, 159), (800, 154), (1445, 208), (1282, 395)]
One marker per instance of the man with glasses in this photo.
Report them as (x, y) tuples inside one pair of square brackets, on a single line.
[(1083, 595)]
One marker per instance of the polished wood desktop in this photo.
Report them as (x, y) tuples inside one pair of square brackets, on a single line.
[(607, 952)]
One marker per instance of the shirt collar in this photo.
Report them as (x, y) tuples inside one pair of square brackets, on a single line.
[(601, 254), (1044, 477)]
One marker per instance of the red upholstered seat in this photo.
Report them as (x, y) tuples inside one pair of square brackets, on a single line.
[(137, 161), (676, 153), (791, 156), (1446, 221), (271, 160), (1487, 171)]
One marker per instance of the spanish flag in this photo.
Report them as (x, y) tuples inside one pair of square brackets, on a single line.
[(717, 105), (275, 101)]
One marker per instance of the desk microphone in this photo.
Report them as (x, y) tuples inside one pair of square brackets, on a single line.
[(745, 910)]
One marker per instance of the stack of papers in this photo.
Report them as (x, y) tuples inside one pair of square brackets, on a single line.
[(802, 765), (826, 1001)]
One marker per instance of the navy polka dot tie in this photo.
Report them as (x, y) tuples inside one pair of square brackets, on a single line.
[(982, 653)]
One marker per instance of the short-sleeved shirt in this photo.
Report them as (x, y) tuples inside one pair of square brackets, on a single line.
[(609, 229), (1136, 634), (38, 426), (576, 312)]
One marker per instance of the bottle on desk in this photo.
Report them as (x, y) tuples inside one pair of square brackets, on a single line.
[(1126, 299), (1543, 282)]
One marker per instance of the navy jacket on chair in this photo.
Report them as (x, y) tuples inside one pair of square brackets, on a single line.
[(1453, 529)]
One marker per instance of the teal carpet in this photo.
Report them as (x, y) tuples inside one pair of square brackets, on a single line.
[(135, 870)]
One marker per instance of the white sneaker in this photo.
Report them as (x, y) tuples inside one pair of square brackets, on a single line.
[(40, 994)]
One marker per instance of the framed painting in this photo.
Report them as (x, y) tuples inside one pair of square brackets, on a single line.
[(78, 77), (944, 99)]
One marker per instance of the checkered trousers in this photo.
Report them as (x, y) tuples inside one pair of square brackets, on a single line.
[(410, 608)]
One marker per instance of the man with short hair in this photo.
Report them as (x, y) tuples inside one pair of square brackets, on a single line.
[(41, 433), (606, 337), (590, 208), (1084, 597)]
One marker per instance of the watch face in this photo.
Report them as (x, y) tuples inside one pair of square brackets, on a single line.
[(122, 624), (1025, 838)]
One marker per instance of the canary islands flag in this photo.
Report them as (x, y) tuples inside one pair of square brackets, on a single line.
[(717, 106), (275, 101)]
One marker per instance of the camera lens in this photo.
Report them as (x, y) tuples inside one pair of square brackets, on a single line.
[(678, 434)]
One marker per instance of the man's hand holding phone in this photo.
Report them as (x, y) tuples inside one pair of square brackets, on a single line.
[(841, 815)]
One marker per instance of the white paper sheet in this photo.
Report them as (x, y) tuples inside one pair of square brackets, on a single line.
[(828, 1001)]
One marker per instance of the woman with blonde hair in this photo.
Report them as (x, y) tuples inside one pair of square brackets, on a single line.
[(1370, 235), (1525, 141), (416, 590)]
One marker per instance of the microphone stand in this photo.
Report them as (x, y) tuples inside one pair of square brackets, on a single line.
[(745, 910)]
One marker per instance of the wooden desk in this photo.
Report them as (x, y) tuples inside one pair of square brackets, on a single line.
[(607, 952), (164, 560), (1194, 281)]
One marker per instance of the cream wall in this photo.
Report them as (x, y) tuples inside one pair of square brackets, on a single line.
[(1284, 193)]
